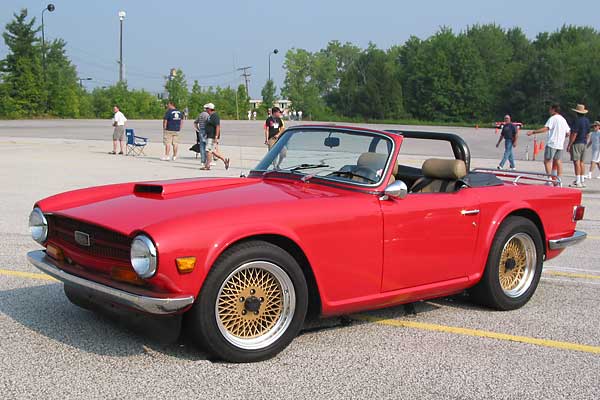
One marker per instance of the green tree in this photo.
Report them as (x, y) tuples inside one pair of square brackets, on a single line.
[(22, 69), (268, 95), (61, 82), (177, 88)]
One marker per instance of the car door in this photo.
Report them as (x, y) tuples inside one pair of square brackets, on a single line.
[(428, 238)]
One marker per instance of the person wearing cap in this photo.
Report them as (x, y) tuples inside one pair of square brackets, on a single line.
[(509, 134), (557, 128), (273, 127), (213, 134), (594, 142), (200, 125), (172, 123), (577, 143)]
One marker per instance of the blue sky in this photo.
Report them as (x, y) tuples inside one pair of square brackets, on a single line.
[(208, 40)]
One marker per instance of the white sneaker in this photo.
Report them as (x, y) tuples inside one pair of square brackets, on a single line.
[(174, 158), (498, 167), (577, 185), (589, 175), (164, 158), (513, 169)]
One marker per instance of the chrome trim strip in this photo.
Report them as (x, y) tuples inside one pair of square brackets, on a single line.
[(562, 243), (521, 175), (151, 305)]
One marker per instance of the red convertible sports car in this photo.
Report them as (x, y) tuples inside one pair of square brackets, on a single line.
[(332, 221)]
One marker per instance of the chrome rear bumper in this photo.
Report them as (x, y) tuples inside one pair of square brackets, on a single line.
[(151, 305), (562, 243)]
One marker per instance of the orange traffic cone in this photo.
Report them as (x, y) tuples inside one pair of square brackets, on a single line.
[(535, 148)]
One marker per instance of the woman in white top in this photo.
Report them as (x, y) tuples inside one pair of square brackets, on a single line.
[(594, 143)]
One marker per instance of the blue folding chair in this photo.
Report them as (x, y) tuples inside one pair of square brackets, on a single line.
[(135, 144)]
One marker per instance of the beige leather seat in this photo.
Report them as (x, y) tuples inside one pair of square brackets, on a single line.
[(440, 176), (370, 162)]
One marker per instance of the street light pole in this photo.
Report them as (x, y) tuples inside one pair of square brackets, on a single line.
[(273, 52), (122, 15), (50, 7)]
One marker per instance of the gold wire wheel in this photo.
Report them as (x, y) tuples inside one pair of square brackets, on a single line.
[(255, 305), (517, 265)]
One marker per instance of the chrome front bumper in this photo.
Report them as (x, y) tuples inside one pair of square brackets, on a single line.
[(558, 244), (151, 305)]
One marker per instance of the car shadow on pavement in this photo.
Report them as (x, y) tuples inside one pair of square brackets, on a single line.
[(45, 310)]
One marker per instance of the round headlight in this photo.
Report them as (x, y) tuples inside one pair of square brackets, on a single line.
[(38, 226), (143, 256)]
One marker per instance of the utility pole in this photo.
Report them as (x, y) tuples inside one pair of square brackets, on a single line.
[(122, 15), (246, 76)]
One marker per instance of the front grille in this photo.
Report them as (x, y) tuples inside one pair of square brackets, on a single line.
[(104, 243)]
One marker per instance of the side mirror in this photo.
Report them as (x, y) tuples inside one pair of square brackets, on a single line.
[(332, 142), (396, 190)]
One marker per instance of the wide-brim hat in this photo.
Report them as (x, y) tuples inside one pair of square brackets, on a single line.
[(580, 109), (596, 123), (210, 106)]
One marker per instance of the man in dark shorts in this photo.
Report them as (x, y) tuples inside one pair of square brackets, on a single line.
[(213, 134), (273, 127), (509, 134), (577, 142), (172, 123)]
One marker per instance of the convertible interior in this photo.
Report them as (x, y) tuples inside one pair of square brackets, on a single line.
[(435, 176)]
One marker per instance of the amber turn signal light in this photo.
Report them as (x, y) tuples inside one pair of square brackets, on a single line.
[(185, 265), (55, 252), (125, 274)]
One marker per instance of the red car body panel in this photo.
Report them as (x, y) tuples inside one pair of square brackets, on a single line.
[(364, 252)]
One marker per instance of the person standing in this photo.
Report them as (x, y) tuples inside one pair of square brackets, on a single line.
[(557, 128), (594, 142), (213, 134), (172, 123), (299, 115), (577, 142), (273, 127), (200, 125), (118, 122), (509, 134)]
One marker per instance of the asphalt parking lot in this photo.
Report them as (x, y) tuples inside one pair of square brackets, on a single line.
[(449, 349)]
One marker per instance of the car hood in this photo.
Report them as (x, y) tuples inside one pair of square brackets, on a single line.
[(128, 208)]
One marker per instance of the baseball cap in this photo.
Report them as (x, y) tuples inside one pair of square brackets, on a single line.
[(210, 106)]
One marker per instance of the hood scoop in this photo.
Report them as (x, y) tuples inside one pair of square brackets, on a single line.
[(146, 188)]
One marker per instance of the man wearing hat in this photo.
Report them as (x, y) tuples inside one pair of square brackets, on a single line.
[(577, 142), (594, 142), (213, 134)]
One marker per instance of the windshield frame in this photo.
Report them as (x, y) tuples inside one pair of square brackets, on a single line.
[(358, 131)]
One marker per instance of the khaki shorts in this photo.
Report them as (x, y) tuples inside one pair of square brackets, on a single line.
[(211, 144), (170, 137), (552, 153), (119, 132), (577, 151), (271, 142)]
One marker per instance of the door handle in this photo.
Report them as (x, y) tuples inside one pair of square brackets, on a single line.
[(470, 212)]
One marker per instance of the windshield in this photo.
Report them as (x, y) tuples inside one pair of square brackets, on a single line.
[(345, 156)]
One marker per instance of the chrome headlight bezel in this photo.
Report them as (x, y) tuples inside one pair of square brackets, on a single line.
[(38, 226), (143, 256)]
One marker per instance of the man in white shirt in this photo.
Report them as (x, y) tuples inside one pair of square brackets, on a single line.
[(558, 129), (119, 132)]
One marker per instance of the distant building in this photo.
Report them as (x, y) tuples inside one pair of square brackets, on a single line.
[(284, 105)]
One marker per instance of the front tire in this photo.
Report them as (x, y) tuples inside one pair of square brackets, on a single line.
[(514, 266), (252, 304)]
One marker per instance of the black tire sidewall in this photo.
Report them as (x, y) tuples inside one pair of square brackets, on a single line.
[(490, 290), (204, 320)]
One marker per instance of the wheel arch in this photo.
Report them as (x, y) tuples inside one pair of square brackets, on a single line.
[(531, 215), (289, 245)]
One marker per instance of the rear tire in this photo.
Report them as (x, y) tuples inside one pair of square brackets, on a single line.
[(514, 266), (252, 304)]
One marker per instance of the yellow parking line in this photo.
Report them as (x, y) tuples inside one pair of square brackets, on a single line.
[(480, 333), (26, 275), (571, 275), (593, 237)]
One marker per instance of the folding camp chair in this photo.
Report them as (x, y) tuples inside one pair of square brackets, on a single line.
[(135, 144)]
